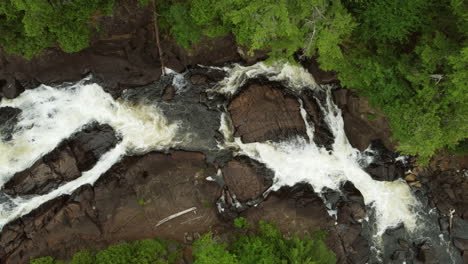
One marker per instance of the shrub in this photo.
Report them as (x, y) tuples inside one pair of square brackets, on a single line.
[(267, 245), (241, 222), (148, 251)]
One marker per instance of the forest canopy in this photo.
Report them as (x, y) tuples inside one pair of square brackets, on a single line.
[(410, 58)]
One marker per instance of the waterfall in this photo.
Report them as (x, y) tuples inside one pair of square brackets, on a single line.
[(52, 114), (299, 160)]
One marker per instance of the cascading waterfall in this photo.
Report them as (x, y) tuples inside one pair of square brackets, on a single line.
[(50, 115), (300, 160)]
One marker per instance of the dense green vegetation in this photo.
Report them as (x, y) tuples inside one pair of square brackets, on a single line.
[(29, 26), (410, 58), (264, 244), (149, 251)]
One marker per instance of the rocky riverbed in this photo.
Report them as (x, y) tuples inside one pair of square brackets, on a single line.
[(130, 199)]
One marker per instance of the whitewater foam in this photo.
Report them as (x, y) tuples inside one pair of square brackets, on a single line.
[(299, 160), (52, 114)]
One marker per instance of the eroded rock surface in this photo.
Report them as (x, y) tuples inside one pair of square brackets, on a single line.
[(362, 123), (127, 203), (75, 155), (246, 178), (323, 136), (264, 112)]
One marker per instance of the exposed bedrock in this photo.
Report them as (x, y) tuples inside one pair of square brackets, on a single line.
[(263, 111), (74, 156), (323, 137), (385, 166), (134, 197), (362, 123), (246, 178), (126, 203)]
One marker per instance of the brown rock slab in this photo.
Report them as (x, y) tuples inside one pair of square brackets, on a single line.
[(65, 163), (245, 179), (262, 112), (362, 123), (125, 204)]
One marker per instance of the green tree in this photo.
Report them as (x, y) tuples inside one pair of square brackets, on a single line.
[(29, 26)]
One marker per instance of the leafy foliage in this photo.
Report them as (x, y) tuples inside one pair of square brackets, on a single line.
[(241, 222), (267, 245), (29, 26), (149, 251)]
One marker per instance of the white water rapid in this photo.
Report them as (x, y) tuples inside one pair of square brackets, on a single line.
[(300, 160), (50, 115)]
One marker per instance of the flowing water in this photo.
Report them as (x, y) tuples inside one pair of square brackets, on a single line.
[(300, 160), (52, 114)]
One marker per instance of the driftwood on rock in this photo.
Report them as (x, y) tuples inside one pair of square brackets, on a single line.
[(175, 216)]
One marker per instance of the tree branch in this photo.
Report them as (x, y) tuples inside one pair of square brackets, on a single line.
[(156, 33)]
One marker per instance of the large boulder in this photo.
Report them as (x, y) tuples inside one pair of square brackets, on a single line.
[(11, 88), (385, 166), (73, 156), (264, 112), (246, 178), (91, 143)]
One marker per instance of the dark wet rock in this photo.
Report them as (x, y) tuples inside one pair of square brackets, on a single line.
[(208, 74), (448, 190), (264, 112), (91, 143), (320, 76), (73, 156), (399, 255), (246, 178), (322, 135), (444, 223), (8, 120), (3, 83), (403, 243), (198, 79), (427, 255), (46, 174), (384, 166), (198, 120), (461, 244), (169, 93), (12, 89), (460, 228), (228, 206), (362, 123), (465, 256)]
